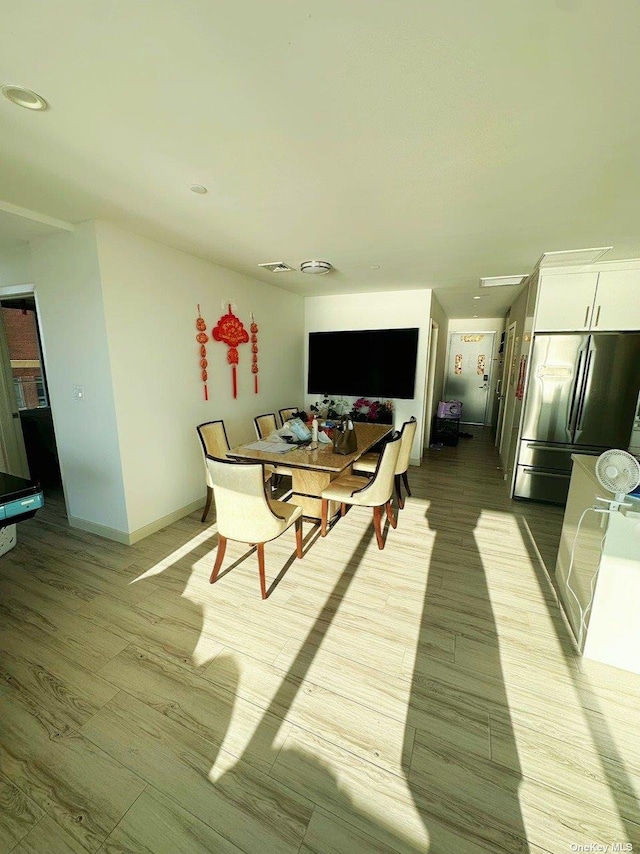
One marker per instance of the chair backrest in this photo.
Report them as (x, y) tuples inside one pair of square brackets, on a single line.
[(242, 510), (213, 438), (380, 488), (265, 425), (285, 414), (406, 435)]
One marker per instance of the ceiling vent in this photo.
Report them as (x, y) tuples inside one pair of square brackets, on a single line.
[(567, 257), (277, 267), (502, 281)]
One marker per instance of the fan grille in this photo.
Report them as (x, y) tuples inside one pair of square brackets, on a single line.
[(618, 471)]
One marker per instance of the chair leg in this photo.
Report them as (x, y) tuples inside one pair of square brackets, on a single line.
[(392, 519), (207, 506), (325, 513), (222, 547), (343, 509), (398, 482), (263, 583), (377, 524), (298, 524), (406, 482)]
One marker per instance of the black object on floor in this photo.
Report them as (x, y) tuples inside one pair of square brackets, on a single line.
[(466, 435)]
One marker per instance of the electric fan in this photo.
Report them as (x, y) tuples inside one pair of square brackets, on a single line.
[(619, 472)]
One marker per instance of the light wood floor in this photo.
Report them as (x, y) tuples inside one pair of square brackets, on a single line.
[(423, 698)]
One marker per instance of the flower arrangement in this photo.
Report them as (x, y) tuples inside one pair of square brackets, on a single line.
[(376, 411), (329, 408)]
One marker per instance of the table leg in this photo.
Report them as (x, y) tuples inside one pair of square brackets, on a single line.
[(307, 487)]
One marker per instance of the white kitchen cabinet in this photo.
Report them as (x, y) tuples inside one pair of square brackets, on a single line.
[(566, 302), (617, 303)]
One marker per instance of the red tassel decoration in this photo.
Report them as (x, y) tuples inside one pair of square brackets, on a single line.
[(231, 332), (202, 339), (254, 352)]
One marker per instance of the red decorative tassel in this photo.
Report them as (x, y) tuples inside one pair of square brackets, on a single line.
[(231, 332)]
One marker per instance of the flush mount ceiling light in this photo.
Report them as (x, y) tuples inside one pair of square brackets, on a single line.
[(477, 297), (24, 98), (501, 281), (315, 267), (199, 189)]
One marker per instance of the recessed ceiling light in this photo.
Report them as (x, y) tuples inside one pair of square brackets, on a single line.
[(315, 267), (475, 315), (375, 266), (24, 98), (199, 189), (477, 297)]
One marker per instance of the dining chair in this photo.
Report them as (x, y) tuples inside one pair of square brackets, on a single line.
[(245, 513), (373, 492), (214, 441), (287, 413), (368, 462), (266, 425)]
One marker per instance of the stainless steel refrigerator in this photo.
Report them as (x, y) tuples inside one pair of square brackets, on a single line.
[(581, 398)]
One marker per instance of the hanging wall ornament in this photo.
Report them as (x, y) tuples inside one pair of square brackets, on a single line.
[(230, 331), (202, 339), (254, 352)]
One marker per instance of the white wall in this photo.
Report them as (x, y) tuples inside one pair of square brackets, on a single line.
[(15, 266), (386, 310), (71, 313), (483, 324), (150, 296)]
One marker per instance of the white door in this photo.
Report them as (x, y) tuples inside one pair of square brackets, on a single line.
[(468, 373), (12, 452)]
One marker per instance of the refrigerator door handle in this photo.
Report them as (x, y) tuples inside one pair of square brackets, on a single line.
[(574, 397), (583, 391)]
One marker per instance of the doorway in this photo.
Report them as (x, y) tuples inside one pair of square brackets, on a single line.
[(505, 384), (468, 373), (26, 394), (431, 377)]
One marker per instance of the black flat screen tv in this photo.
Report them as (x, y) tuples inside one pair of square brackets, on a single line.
[(363, 363)]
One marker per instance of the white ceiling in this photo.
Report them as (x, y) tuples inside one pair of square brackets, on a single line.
[(440, 142)]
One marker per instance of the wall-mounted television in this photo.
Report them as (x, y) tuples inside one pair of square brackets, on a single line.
[(363, 362)]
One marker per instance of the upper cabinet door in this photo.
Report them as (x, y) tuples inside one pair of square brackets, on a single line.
[(566, 301), (617, 304)]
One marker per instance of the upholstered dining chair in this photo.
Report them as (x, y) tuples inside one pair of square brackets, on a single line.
[(245, 514), (213, 438), (368, 462), (287, 413), (265, 425), (373, 492)]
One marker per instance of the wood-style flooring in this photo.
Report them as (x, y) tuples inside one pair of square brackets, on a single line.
[(424, 698)]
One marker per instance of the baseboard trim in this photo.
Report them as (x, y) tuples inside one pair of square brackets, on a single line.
[(130, 538), (100, 530), (153, 527)]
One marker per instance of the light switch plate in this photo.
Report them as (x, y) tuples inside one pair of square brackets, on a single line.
[(78, 392)]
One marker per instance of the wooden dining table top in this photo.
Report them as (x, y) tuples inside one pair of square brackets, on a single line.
[(322, 458)]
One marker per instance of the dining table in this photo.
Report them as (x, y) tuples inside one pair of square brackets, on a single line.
[(313, 468)]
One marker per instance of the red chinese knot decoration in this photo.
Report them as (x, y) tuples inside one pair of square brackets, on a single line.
[(202, 339), (254, 352), (230, 331)]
